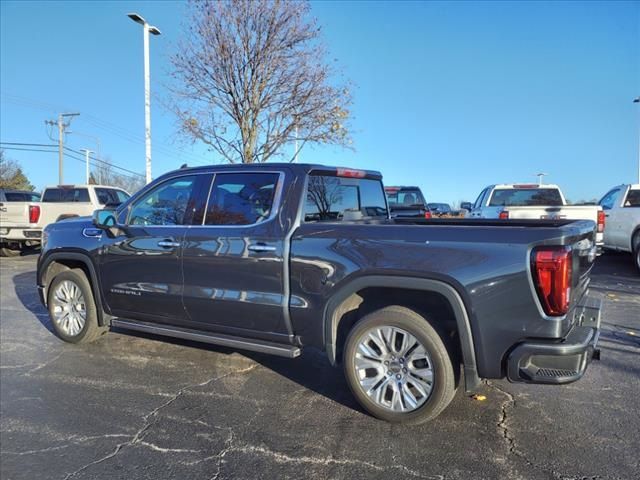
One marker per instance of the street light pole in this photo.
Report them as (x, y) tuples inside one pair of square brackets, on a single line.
[(147, 88), (87, 152), (637, 100)]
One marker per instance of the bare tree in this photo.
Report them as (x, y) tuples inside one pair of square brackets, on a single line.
[(103, 173), (251, 77)]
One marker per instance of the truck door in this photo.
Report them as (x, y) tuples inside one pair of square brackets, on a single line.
[(233, 263), (140, 270)]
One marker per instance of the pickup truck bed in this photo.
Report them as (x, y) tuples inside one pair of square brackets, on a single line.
[(279, 257)]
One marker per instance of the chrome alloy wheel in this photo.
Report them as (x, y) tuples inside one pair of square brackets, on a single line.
[(394, 369), (69, 308)]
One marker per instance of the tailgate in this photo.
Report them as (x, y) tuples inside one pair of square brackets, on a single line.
[(14, 214), (569, 212)]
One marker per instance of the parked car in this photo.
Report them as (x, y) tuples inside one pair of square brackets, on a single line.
[(440, 209), (407, 202), (19, 214), (275, 258), (621, 205), (24, 222), (534, 201)]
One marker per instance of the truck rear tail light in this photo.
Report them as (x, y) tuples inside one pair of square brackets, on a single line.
[(34, 213), (601, 217), (551, 270), (504, 215), (427, 214), (351, 173)]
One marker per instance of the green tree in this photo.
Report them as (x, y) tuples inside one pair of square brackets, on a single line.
[(12, 176)]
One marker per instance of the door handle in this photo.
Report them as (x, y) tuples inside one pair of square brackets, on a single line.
[(259, 247), (168, 244)]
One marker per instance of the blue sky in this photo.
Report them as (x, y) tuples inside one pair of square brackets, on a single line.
[(451, 96)]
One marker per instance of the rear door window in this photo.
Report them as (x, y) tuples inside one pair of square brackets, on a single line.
[(56, 195), (338, 198), (525, 197), (241, 198)]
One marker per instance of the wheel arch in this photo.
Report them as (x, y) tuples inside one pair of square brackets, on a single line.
[(346, 300), (57, 262)]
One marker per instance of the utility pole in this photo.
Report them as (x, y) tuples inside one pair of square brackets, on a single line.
[(541, 177), (86, 159), (62, 126)]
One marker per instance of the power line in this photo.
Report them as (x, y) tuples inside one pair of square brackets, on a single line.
[(30, 144), (104, 125), (20, 145), (95, 159), (28, 149)]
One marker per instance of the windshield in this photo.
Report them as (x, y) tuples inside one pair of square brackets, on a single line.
[(338, 198), (406, 197), (22, 197), (526, 197), (54, 195)]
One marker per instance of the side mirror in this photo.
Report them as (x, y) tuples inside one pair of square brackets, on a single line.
[(104, 219), (466, 206)]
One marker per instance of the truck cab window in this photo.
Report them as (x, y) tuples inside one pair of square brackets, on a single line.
[(337, 198), (164, 205), (241, 198), (633, 199)]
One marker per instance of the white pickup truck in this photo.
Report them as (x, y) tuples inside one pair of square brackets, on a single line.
[(22, 222), (19, 215), (621, 205), (534, 201)]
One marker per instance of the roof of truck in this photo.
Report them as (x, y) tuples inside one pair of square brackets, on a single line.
[(526, 185), (304, 167)]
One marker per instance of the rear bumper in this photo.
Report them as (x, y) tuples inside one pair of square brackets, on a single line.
[(560, 361), (20, 234)]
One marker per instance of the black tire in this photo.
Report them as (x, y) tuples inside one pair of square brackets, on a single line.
[(10, 252), (635, 242), (91, 330), (444, 383)]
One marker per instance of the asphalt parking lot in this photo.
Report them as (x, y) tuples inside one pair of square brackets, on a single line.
[(131, 406)]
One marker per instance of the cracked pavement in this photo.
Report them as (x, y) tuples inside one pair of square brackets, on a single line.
[(139, 406)]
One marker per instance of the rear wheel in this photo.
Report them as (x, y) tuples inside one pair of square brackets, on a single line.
[(636, 249), (398, 366), (72, 308), (10, 251)]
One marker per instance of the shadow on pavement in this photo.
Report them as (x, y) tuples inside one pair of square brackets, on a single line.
[(24, 285)]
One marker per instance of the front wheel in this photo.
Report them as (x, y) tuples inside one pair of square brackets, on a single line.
[(72, 308), (398, 366)]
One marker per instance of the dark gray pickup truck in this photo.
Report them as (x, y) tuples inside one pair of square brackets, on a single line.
[(278, 257)]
